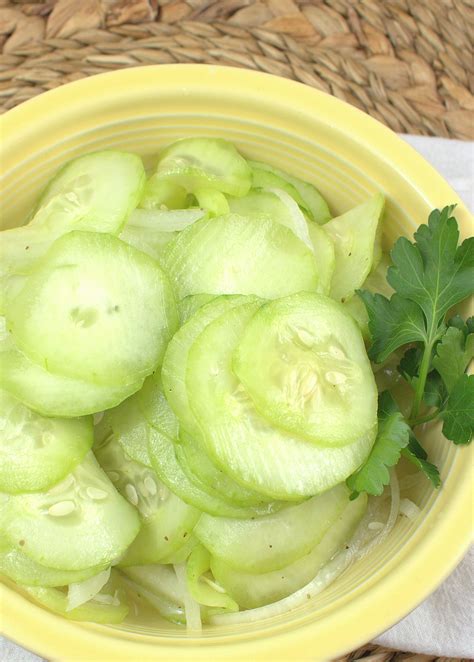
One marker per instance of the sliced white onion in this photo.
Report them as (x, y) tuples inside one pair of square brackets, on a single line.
[(192, 609), (409, 508), (297, 220), (82, 592), (164, 221)]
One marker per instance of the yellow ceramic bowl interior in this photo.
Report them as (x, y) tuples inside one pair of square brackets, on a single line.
[(348, 156)]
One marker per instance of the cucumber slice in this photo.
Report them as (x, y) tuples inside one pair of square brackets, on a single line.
[(356, 236), (127, 425), (324, 252), (134, 481), (163, 458), (306, 195), (37, 452), (173, 371), (181, 555), (189, 305), (151, 242), (155, 407), (271, 542), (192, 460), (164, 220), (376, 282), (214, 202), (167, 520), (55, 395), (303, 362), (23, 570), (250, 255), (278, 205), (79, 523), (161, 193), (200, 470), (108, 606), (202, 590), (240, 441), (197, 163), (95, 192), (252, 590), (94, 309), (162, 534)]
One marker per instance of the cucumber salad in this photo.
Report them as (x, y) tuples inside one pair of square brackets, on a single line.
[(207, 381)]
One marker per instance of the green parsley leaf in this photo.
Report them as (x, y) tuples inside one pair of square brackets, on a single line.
[(458, 415), (393, 436), (453, 354), (417, 455), (434, 272), (429, 277), (392, 323)]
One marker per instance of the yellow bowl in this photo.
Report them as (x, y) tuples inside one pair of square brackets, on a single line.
[(348, 155)]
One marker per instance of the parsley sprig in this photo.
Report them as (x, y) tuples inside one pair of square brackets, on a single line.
[(429, 276)]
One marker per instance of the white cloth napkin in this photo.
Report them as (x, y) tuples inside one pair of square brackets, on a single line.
[(444, 624)]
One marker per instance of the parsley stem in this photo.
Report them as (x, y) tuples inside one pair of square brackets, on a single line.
[(421, 383), (423, 419)]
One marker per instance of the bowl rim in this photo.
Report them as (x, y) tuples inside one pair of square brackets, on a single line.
[(52, 636)]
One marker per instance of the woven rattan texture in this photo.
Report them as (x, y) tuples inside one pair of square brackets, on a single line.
[(409, 63)]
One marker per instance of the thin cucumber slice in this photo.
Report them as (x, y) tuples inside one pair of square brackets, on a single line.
[(94, 309), (163, 194), (241, 442), (164, 220), (162, 534), (173, 372), (376, 282), (324, 252), (21, 247), (197, 163), (55, 395), (128, 426), (189, 305), (278, 205), (202, 590), (151, 242), (274, 541), (23, 570), (155, 408), (303, 361), (134, 481), (95, 192), (79, 523), (252, 590), (167, 521), (37, 452), (168, 469), (108, 606), (181, 555), (250, 255), (200, 469), (213, 201), (193, 461), (356, 236), (305, 194)]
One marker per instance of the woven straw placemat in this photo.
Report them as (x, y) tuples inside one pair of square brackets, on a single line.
[(408, 63)]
